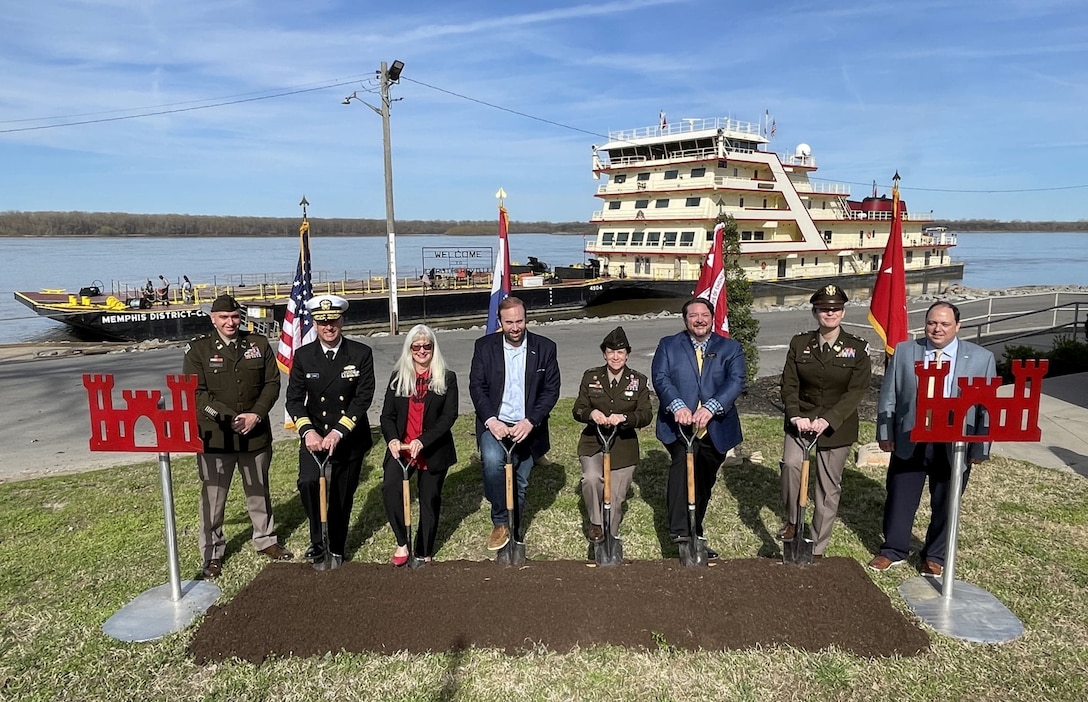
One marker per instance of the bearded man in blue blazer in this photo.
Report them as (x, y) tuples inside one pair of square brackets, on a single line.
[(514, 384), (698, 376), (912, 463)]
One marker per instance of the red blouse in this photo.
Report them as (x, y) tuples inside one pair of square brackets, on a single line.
[(414, 428)]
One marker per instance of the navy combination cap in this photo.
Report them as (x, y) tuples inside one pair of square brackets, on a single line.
[(829, 295), (326, 308)]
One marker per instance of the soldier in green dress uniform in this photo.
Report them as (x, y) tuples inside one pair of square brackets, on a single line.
[(826, 376)]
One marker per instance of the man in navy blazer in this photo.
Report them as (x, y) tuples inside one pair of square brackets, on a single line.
[(698, 376), (514, 384), (911, 463)]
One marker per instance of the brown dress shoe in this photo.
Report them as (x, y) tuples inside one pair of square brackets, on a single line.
[(931, 569), (787, 532), (596, 533), (277, 553), (213, 568), (500, 535), (882, 563)]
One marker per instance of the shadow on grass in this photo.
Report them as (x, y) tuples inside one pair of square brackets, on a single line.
[(755, 486), (651, 477)]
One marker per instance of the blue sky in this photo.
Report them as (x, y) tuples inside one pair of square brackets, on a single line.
[(979, 104)]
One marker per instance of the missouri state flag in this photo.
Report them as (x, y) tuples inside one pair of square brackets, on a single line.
[(711, 285), (888, 304), (500, 280)]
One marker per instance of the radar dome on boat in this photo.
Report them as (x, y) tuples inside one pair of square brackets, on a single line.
[(802, 151)]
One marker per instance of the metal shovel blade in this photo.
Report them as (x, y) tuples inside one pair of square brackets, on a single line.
[(513, 553), (798, 550), (693, 553), (329, 561), (610, 551)]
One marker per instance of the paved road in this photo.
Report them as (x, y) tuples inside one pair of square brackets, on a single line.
[(45, 404)]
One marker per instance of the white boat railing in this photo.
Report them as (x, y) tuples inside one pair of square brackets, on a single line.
[(688, 125)]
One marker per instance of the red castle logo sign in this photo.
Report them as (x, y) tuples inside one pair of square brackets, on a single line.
[(942, 419), (114, 428)]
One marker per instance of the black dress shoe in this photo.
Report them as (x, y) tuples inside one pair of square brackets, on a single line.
[(711, 554), (315, 552), (213, 568)]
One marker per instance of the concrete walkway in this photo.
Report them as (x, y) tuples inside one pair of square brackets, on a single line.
[(1063, 418)]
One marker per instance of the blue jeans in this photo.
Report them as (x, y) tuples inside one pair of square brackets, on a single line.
[(493, 458)]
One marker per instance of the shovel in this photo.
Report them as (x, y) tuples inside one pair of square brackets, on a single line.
[(513, 553), (692, 551), (329, 560), (610, 551), (413, 562), (798, 550)]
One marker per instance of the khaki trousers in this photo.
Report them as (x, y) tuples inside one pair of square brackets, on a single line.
[(216, 472), (593, 489), (828, 477)]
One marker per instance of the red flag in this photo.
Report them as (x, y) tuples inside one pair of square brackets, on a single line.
[(888, 306), (711, 285)]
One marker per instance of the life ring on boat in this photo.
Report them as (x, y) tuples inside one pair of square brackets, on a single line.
[(763, 266)]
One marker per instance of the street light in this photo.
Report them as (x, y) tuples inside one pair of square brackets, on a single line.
[(387, 75)]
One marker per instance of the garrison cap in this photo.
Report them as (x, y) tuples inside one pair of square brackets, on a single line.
[(616, 339), (225, 303), (326, 308), (830, 294)]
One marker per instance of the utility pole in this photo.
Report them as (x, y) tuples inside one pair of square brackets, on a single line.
[(386, 76)]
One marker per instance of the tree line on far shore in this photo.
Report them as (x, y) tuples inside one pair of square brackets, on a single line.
[(119, 224)]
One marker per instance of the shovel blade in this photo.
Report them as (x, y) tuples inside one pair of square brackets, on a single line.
[(609, 552), (798, 550), (330, 561), (693, 553), (513, 553)]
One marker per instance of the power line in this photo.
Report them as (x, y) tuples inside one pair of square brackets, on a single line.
[(175, 110)]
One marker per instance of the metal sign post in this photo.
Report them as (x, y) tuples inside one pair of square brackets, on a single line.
[(173, 606), (954, 607)]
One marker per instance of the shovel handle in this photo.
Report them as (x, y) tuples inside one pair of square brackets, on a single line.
[(802, 499), (509, 486), (323, 491), (406, 492), (691, 478), (608, 477)]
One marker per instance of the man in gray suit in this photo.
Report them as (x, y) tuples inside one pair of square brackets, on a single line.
[(912, 463)]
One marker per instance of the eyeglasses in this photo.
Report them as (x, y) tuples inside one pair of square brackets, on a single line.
[(829, 310), (423, 347)]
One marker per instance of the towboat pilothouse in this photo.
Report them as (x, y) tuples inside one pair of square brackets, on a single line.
[(664, 186)]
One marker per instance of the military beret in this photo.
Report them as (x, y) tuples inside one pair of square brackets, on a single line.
[(225, 303)]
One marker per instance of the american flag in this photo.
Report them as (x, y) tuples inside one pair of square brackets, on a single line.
[(298, 325)]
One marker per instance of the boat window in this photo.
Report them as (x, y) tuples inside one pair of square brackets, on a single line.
[(636, 238), (827, 236), (653, 238), (641, 204), (802, 261), (698, 172), (614, 205), (661, 203), (621, 239), (606, 238), (764, 203), (670, 238), (908, 256), (687, 238), (672, 175), (619, 178), (742, 202), (692, 202), (644, 177), (757, 236), (746, 236)]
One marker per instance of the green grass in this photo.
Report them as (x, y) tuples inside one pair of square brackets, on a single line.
[(75, 549)]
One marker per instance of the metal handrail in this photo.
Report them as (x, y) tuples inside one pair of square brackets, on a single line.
[(1011, 325)]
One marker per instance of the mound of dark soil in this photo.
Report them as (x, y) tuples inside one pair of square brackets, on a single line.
[(293, 610)]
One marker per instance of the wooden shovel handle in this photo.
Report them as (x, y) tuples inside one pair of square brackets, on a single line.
[(324, 498), (406, 491), (607, 477), (509, 486), (691, 478), (802, 500)]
